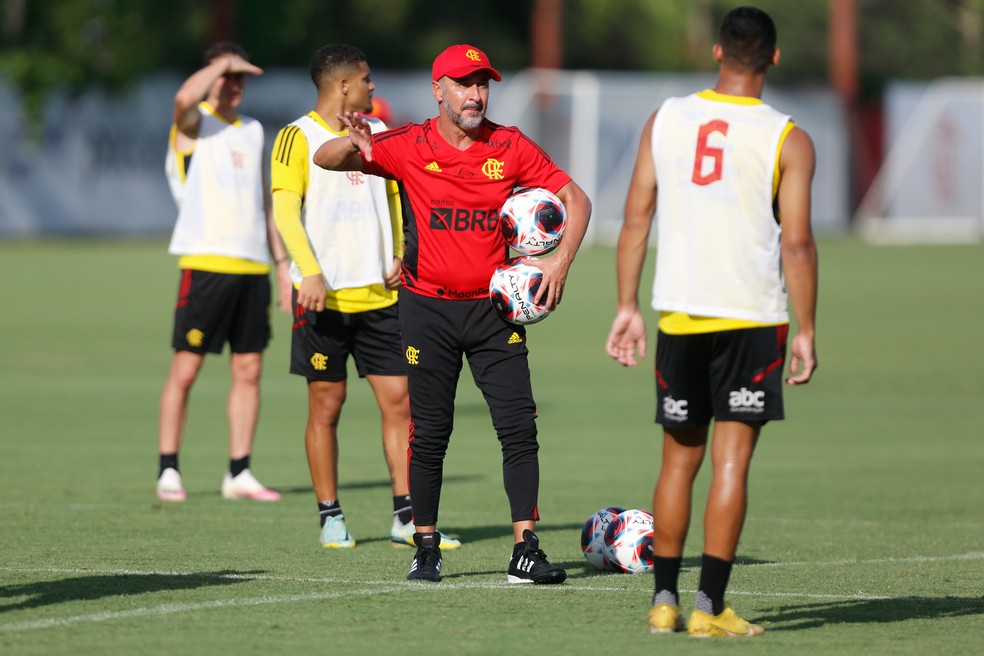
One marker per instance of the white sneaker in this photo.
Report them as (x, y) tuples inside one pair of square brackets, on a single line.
[(169, 486), (245, 486), (335, 535)]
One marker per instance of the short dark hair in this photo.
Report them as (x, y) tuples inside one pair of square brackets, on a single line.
[(329, 59), (224, 48), (748, 39)]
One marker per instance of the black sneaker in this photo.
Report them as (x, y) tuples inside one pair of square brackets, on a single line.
[(426, 564), (529, 564)]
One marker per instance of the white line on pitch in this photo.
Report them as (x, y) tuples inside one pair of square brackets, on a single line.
[(167, 609)]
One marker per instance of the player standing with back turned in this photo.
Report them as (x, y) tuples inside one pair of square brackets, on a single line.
[(729, 179)]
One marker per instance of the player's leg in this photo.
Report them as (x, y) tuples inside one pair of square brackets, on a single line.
[(243, 405), (433, 355), (499, 362), (320, 347), (325, 400), (248, 321), (683, 407), (192, 336), (747, 389), (185, 367), (683, 453), (732, 446), (184, 370), (394, 410), (431, 346)]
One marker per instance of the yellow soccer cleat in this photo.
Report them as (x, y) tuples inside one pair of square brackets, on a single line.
[(665, 618), (726, 625)]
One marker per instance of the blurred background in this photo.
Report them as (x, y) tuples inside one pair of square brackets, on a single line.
[(887, 89)]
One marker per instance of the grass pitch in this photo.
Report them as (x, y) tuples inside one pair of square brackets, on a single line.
[(864, 532)]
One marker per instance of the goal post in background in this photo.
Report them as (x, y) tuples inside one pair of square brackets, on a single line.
[(930, 188)]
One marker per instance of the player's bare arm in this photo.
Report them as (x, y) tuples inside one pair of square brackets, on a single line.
[(628, 332), (197, 87), (342, 153), (799, 250), (556, 267), (391, 279)]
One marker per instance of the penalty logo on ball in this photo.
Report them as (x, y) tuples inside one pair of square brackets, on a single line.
[(512, 289), (532, 221)]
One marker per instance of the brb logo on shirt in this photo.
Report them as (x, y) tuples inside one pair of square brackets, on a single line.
[(461, 220)]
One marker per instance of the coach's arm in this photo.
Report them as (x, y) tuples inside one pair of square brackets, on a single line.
[(342, 153)]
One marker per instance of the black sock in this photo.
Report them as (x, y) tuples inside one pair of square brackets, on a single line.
[(666, 574), (402, 510), (238, 466), (714, 575), (328, 509), (168, 461)]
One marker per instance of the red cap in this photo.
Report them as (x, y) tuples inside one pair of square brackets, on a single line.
[(461, 61)]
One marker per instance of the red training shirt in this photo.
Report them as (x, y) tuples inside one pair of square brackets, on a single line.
[(451, 200)]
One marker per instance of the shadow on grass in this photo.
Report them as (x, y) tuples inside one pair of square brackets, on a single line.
[(869, 611), (87, 588), (497, 531), (368, 485)]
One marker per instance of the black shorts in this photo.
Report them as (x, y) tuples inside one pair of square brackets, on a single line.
[(733, 375), (321, 343), (215, 308), (436, 334)]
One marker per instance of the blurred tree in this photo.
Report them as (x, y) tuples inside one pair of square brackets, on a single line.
[(72, 44)]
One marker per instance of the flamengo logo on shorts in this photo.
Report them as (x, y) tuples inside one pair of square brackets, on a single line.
[(319, 361), (745, 400), (675, 410)]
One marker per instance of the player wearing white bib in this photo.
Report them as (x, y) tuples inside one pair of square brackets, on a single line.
[(223, 235), (345, 235), (728, 179)]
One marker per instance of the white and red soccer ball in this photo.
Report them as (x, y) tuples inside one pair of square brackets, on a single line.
[(628, 542), (512, 289), (593, 536), (532, 221)]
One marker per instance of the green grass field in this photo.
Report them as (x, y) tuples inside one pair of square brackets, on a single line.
[(865, 532)]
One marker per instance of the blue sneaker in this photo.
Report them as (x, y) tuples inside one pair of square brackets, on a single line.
[(334, 535), (401, 535)]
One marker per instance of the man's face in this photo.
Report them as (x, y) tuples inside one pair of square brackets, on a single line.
[(465, 100), (360, 88), (229, 89)]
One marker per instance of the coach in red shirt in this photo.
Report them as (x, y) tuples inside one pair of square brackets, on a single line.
[(455, 171)]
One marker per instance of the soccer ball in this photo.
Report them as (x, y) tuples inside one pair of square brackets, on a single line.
[(512, 289), (532, 221), (593, 536), (628, 542)]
